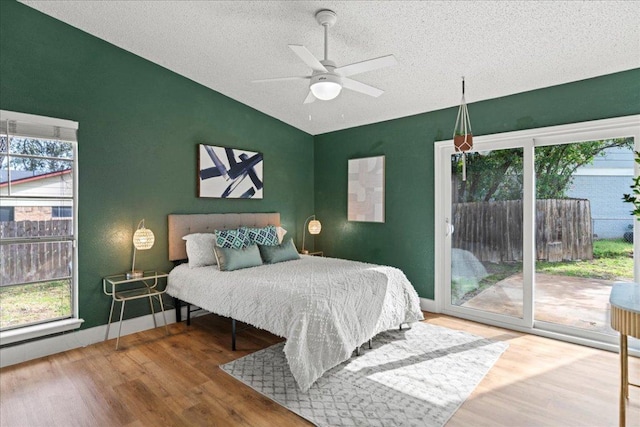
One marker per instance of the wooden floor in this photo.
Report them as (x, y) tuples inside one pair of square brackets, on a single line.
[(155, 380)]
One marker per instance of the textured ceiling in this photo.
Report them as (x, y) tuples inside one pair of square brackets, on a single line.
[(500, 47)]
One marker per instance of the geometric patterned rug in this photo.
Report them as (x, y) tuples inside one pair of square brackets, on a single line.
[(411, 377)]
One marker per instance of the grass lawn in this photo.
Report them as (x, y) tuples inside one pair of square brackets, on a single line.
[(612, 260), (23, 304)]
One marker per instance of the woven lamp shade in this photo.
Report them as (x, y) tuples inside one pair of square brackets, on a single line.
[(314, 227), (143, 238)]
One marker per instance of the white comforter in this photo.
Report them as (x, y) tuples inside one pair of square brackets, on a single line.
[(324, 307)]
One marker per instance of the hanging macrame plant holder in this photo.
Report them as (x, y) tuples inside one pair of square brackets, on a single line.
[(462, 134)]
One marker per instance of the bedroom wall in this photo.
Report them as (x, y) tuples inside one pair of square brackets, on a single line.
[(406, 239), (140, 125)]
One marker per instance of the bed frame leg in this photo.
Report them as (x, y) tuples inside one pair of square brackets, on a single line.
[(370, 347), (188, 314), (177, 303), (233, 334), (358, 351), (400, 326)]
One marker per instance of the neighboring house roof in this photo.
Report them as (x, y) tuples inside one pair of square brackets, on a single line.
[(21, 177)]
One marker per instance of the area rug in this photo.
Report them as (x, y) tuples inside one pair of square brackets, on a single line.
[(411, 377)]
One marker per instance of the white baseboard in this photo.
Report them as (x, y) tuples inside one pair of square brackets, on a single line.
[(428, 305), (80, 338)]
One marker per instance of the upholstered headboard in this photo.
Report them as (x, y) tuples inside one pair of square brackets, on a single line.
[(182, 224)]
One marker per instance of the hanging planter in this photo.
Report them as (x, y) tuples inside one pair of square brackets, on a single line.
[(463, 142), (462, 134)]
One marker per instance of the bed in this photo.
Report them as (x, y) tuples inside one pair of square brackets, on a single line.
[(323, 307)]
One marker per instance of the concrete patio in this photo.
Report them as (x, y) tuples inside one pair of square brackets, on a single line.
[(572, 301)]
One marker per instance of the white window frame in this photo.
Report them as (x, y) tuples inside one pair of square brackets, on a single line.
[(56, 326)]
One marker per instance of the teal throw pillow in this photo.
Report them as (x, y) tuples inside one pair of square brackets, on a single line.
[(264, 235), (237, 238), (230, 259), (279, 253)]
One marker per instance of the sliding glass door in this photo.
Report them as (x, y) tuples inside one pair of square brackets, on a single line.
[(584, 232), (486, 237), (485, 234), (537, 233)]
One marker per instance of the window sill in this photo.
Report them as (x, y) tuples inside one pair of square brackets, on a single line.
[(37, 331)]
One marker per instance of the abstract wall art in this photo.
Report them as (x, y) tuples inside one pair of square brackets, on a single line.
[(366, 190), (229, 173)]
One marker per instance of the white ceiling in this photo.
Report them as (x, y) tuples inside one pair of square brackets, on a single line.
[(500, 47)]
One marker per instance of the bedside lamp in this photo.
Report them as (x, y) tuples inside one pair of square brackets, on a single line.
[(314, 228), (143, 239)]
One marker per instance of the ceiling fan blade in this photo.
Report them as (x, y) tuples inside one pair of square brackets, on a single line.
[(280, 79), (368, 65), (361, 87), (308, 57), (309, 99)]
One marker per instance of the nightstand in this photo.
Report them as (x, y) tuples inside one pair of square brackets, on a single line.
[(121, 289)]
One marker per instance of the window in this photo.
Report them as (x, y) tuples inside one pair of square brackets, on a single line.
[(6, 213), (38, 227), (61, 212)]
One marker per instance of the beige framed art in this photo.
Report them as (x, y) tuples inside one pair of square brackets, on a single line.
[(366, 189)]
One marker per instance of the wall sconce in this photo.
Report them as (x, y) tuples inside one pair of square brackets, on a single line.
[(143, 239), (314, 228)]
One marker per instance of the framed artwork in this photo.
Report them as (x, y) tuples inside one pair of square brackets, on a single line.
[(229, 173), (366, 189)]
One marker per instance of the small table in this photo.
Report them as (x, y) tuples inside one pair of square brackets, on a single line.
[(317, 253), (123, 290), (625, 318)]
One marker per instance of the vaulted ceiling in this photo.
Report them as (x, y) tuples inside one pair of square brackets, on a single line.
[(500, 47)]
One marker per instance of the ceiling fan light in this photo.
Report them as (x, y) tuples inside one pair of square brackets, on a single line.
[(326, 90)]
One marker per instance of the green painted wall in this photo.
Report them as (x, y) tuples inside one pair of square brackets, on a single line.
[(140, 125), (406, 240), (139, 129)]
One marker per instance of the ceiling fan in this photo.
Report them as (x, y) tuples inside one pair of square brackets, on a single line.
[(327, 80)]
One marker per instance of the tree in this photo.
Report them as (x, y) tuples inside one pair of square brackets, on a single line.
[(634, 197), (3, 149), (491, 176), (37, 155), (498, 175)]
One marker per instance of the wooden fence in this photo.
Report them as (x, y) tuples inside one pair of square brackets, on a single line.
[(492, 231), (37, 261)]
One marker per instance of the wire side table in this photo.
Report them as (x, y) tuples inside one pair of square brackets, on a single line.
[(121, 289)]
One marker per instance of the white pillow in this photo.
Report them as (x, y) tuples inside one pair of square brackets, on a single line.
[(280, 232), (200, 249)]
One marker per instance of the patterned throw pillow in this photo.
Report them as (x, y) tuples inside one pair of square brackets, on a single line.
[(236, 239), (266, 236)]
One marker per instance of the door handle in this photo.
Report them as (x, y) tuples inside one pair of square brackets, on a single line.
[(449, 228)]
